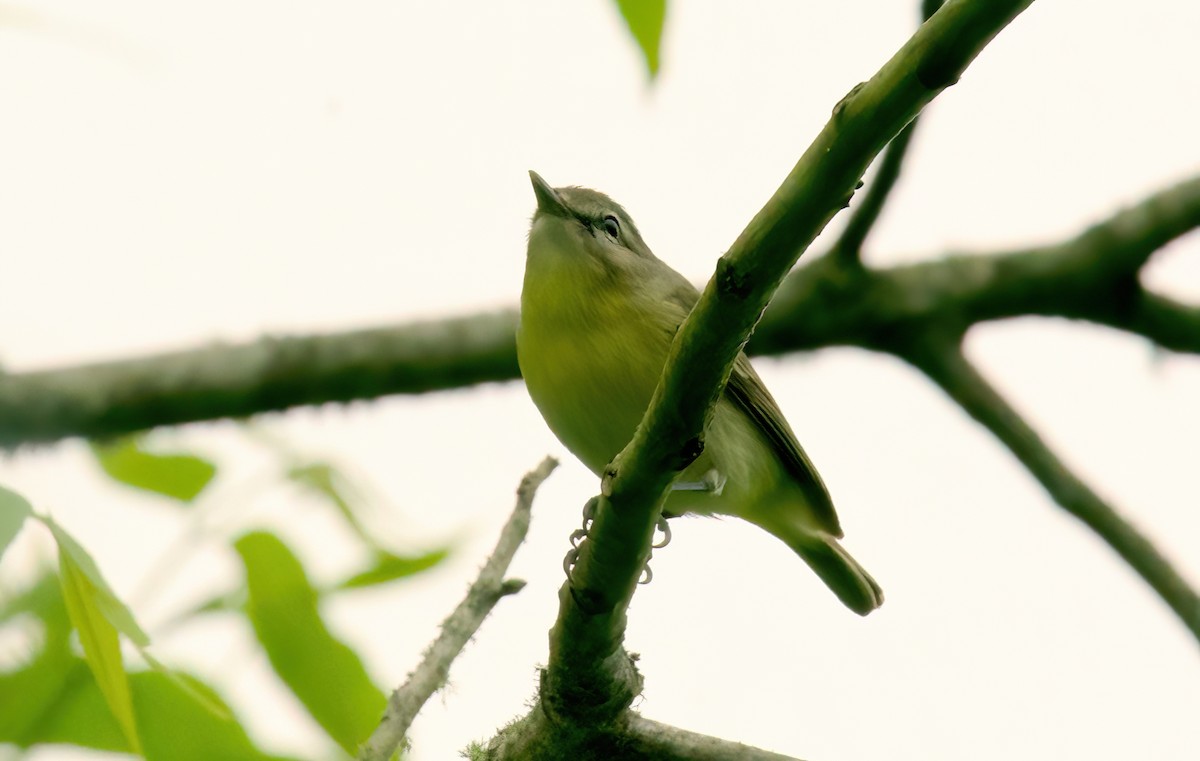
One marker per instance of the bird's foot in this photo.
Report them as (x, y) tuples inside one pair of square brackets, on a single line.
[(665, 528), (579, 534)]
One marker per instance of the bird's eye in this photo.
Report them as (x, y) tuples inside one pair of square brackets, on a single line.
[(612, 227)]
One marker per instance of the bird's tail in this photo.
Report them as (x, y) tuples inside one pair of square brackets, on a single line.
[(840, 572)]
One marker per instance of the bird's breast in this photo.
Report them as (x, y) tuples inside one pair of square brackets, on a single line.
[(591, 373)]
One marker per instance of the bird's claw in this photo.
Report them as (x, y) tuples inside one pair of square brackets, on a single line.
[(665, 528)]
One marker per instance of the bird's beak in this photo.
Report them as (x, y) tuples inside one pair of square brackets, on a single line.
[(548, 200)]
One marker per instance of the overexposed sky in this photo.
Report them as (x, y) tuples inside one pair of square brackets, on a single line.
[(173, 174)]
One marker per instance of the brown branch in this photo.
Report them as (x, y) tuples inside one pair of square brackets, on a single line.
[(459, 627), (944, 362)]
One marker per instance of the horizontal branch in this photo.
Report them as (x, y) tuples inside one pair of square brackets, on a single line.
[(271, 374), (640, 738), (1090, 277)]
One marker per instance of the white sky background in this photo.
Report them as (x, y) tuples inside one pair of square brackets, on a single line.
[(173, 174)]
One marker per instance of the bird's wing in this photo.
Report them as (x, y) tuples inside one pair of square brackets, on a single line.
[(748, 392)]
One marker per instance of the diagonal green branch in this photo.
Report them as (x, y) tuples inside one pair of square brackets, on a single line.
[(848, 248), (944, 363), (589, 680)]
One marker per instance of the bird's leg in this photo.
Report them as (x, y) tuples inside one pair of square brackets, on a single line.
[(713, 483)]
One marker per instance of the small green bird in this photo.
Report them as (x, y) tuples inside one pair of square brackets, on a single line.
[(598, 314)]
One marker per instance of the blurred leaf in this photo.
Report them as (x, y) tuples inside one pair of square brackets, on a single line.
[(100, 644), (221, 603), (14, 509), (60, 701), (174, 726), (179, 476), (388, 567), (98, 615), (645, 19), (326, 675), (49, 667), (205, 699), (105, 600), (326, 481)]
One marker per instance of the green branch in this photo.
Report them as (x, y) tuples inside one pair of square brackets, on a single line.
[(848, 248), (590, 681), (944, 363), (271, 374), (1091, 277)]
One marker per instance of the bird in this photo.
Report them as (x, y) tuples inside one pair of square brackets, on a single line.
[(598, 314)]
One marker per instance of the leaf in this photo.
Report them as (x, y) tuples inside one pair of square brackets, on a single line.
[(388, 567), (179, 476), (50, 662), (101, 647), (60, 702), (215, 707), (645, 19), (114, 611), (174, 726), (14, 509), (328, 482), (98, 615), (326, 675)]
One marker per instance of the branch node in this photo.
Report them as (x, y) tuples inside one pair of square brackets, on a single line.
[(730, 281)]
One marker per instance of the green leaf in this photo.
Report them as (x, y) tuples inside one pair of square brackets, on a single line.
[(327, 482), (645, 19), (388, 567), (178, 475), (105, 600), (326, 675), (205, 699), (61, 703), (50, 660), (14, 509), (174, 726), (99, 616), (101, 646)]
